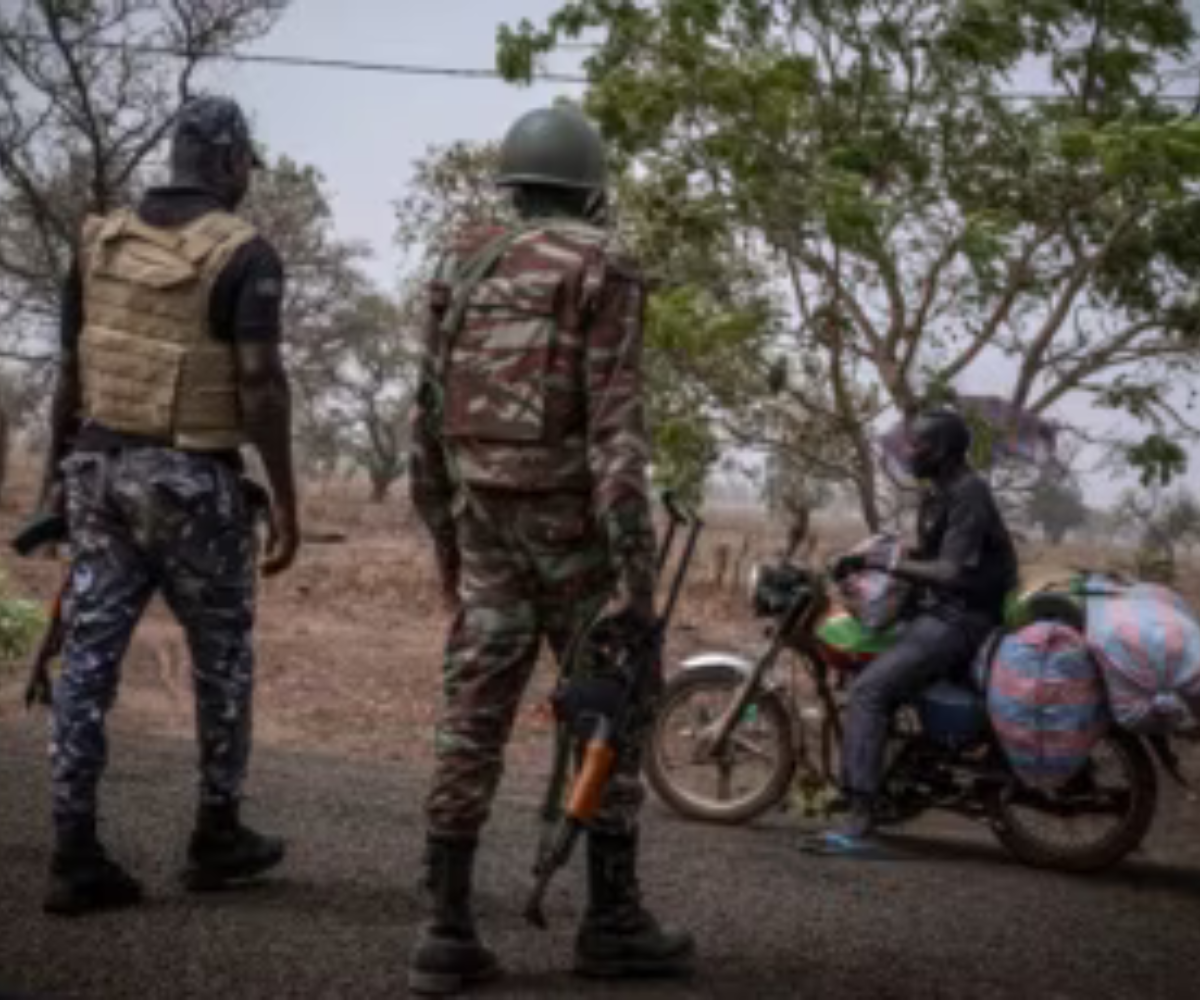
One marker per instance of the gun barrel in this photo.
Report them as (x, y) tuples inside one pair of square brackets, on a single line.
[(548, 864), (534, 912)]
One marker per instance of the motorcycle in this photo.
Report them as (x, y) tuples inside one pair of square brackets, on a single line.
[(733, 737)]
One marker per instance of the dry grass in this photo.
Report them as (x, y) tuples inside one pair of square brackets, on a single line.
[(349, 641)]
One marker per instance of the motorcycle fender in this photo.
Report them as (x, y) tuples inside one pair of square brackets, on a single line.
[(730, 660)]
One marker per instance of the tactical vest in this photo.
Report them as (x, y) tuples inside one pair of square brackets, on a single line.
[(514, 403), (150, 364)]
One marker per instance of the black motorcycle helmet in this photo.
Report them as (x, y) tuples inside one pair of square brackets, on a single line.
[(940, 440)]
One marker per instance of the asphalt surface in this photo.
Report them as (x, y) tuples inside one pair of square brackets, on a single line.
[(949, 917)]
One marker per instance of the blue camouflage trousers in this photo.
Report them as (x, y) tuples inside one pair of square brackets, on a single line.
[(144, 520)]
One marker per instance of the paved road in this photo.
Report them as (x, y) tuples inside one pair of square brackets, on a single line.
[(953, 919)]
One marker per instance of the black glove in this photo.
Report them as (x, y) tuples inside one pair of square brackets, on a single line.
[(579, 700)]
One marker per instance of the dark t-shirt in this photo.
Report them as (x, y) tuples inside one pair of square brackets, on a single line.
[(246, 298), (961, 523)]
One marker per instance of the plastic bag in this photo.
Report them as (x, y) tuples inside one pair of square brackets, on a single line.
[(1147, 641), (874, 597), (1047, 702)]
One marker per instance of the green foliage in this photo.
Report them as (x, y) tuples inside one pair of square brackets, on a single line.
[(690, 338), (21, 624), (684, 451), (1157, 459), (861, 160)]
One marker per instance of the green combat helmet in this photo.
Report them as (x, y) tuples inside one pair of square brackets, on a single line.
[(553, 147)]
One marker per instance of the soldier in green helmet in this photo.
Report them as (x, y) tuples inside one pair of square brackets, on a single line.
[(529, 468)]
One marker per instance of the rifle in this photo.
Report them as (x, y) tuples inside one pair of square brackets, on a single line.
[(47, 528), (634, 661)]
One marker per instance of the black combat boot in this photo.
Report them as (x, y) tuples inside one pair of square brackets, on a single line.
[(618, 936), (83, 878), (448, 956), (223, 851)]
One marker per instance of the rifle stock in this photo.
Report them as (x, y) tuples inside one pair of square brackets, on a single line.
[(38, 687), (46, 528)]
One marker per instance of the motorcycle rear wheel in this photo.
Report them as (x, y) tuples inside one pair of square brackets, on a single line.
[(1134, 810), (692, 700)]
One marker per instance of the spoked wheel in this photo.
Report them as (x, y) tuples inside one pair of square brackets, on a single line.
[(1093, 821), (749, 776)]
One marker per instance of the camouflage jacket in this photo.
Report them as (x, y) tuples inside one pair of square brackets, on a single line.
[(537, 387)]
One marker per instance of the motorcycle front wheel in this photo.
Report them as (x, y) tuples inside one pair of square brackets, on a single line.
[(1092, 822), (748, 777)]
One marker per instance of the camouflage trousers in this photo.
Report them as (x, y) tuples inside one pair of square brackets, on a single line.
[(533, 568), (145, 520)]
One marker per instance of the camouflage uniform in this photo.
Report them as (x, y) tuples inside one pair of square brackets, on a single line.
[(143, 519), (529, 468)]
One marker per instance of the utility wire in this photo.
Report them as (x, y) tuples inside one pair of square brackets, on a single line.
[(301, 62), (417, 69)]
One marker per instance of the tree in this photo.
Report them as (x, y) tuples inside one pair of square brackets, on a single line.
[(351, 349), (369, 396), (1164, 522), (858, 171), (452, 187), (1056, 506), (88, 89)]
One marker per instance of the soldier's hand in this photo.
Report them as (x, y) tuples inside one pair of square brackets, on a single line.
[(283, 542)]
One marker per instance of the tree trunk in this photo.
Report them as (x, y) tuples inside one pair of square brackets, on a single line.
[(867, 487), (381, 483)]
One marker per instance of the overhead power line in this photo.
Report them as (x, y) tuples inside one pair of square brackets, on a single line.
[(298, 61), (425, 70)]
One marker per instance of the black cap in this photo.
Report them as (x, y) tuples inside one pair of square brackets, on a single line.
[(216, 121)]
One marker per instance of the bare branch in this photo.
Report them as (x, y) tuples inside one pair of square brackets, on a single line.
[(1017, 272), (1081, 272)]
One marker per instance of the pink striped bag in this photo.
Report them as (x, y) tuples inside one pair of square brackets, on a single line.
[(1046, 700), (1147, 641)]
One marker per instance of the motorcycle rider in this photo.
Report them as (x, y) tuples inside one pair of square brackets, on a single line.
[(963, 566)]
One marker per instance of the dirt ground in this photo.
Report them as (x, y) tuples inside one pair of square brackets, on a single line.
[(349, 640)]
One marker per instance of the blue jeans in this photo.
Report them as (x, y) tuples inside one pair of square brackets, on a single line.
[(930, 648)]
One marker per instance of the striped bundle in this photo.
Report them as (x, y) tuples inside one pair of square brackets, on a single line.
[(1147, 642), (1047, 703)]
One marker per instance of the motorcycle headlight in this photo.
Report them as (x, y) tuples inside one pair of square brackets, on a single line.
[(774, 588)]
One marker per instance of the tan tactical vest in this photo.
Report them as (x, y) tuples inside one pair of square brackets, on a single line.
[(149, 361)]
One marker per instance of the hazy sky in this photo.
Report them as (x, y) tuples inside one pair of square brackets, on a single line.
[(364, 130)]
